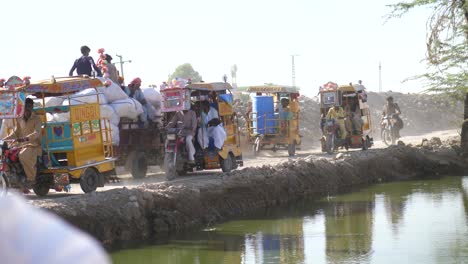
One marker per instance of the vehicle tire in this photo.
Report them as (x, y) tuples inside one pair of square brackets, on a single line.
[(42, 185), (89, 180), (365, 145), (226, 164), (330, 144), (4, 185), (169, 166), (139, 165), (393, 136), (233, 161), (292, 149), (128, 161), (386, 137)]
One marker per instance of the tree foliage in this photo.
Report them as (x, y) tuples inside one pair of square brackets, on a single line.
[(186, 71), (446, 44)]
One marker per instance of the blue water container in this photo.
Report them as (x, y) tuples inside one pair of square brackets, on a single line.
[(263, 115)]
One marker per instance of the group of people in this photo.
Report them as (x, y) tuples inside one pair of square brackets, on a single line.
[(210, 132), (349, 118), (85, 65)]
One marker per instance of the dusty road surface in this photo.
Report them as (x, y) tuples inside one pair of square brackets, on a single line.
[(264, 158)]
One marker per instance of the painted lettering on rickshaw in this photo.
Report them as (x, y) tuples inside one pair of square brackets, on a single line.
[(84, 112)]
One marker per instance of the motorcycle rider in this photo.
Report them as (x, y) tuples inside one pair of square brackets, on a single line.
[(186, 120), (338, 114), (392, 109), (28, 130)]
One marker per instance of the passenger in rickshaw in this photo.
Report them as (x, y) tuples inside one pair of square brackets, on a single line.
[(338, 114), (133, 90), (355, 116), (28, 130), (210, 134), (285, 115), (187, 121)]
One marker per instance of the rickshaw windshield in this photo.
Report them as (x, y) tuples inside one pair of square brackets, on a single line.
[(11, 104)]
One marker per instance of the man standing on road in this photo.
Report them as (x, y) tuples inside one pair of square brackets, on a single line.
[(187, 121), (84, 64)]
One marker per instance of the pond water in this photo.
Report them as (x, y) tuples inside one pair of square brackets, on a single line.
[(402, 222)]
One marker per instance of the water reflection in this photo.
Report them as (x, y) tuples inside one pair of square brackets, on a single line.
[(406, 222)]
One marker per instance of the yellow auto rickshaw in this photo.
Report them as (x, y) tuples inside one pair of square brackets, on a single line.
[(273, 118), (209, 154), (75, 150), (352, 99)]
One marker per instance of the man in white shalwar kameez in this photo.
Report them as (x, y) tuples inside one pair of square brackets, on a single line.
[(206, 131)]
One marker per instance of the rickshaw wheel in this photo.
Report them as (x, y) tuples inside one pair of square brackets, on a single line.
[(89, 180), (42, 186), (226, 164), (292, 148), (4, 185), (169, 168), (234, 161), (139, 165), (364, 144)]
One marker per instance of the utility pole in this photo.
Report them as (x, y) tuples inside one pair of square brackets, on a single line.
[(380, 77), (293, 71), (121, 62)]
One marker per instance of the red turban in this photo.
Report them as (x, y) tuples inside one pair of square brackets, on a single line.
[(135, 81)]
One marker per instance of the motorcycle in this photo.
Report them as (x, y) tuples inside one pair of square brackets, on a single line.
[(389, 132), (175, 157), (12, 173), (332, 137)]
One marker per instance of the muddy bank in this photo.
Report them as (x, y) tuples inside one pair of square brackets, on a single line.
[(122, 217)]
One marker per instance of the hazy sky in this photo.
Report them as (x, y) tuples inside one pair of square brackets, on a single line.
[(337, 40)]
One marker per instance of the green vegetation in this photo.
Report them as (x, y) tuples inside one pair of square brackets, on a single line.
[(447, 49), (186, 71)]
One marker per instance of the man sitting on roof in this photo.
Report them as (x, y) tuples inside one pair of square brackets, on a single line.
[(133, 91)]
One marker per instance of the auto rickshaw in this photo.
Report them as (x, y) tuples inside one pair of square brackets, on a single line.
[(353, 99), (273, 118), (78, 150), (229, 157)]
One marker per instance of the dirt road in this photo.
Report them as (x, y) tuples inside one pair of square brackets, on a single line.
[(264, 158)]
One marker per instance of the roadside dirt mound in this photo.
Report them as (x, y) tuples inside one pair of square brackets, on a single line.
[(121, 217)]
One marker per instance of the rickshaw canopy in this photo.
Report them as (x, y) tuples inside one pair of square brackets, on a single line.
[(272, 89), (215, 86), (56, 86)]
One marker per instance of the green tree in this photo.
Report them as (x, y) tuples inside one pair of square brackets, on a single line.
[(186, 71), (446, 49)]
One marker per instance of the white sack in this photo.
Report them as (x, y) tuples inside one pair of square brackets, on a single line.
[(113, 92), (129, 108), (91, 97), (114, 133), (152, 96), (109, 113), (61, 117), (53, 101)]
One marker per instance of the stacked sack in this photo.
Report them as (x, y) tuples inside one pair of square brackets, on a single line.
[(114, 105)]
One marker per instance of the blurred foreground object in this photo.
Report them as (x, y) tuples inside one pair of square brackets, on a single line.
[(31, 235)]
